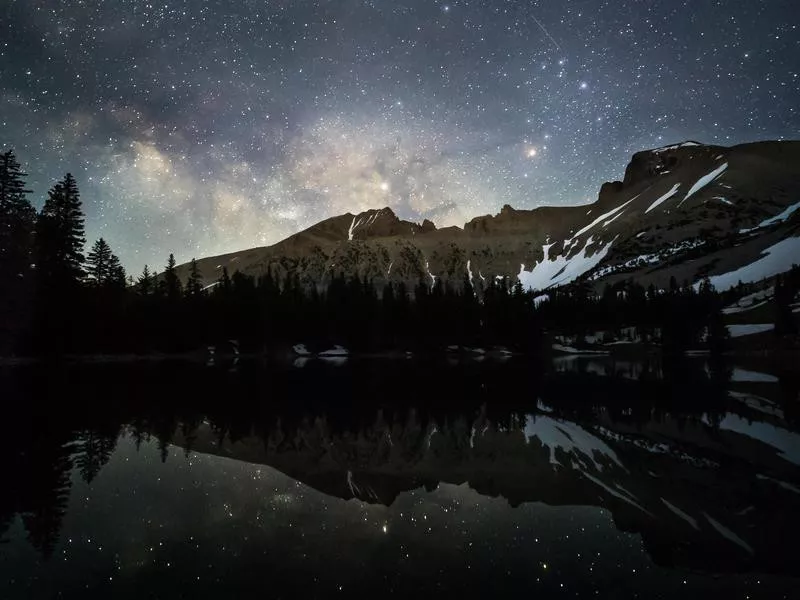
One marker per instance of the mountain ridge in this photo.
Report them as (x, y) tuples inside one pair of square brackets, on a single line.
[(686, 210)]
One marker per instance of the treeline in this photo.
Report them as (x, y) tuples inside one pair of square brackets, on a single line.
[(57, 300)]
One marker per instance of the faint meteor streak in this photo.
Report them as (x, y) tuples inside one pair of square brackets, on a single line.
[(547, 33)]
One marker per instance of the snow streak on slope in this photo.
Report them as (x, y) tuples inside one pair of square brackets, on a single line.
[(774, 260), (431, 275), (704, 181), (780, 218), (664, 198), (561, 270), (353, 226), (614, 218), (602, 217)]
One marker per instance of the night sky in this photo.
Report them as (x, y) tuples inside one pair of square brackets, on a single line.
[(201, 127)]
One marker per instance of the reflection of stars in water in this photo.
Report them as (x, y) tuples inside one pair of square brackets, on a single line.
[(247, 522)]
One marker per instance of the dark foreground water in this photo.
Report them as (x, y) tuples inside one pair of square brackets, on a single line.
[(585, 478)]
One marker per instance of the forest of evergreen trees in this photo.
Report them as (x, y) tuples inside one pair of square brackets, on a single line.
[(58, 299)]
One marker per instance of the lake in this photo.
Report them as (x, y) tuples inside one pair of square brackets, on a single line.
[(584, 477)]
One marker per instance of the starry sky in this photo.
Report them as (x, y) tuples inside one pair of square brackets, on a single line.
[(206, 126)]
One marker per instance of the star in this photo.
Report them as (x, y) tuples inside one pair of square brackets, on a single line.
[(217, 127)]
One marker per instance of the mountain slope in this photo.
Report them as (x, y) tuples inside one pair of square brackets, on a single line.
[(687, 211)]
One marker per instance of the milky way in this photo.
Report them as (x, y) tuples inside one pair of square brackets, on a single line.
[(200, 127)]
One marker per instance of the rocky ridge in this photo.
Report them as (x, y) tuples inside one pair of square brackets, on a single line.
[(687, 210)]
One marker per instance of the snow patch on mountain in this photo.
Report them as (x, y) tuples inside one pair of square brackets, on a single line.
[(602, 217), (774, 260), (561, 270), (664, 198), (352, 229), (779, 218), (648, 259), (431, 275), (704, 181), (614, 218)]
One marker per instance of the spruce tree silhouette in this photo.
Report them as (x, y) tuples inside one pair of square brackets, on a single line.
[(60, 235), (98, 263), (171, 282), (194, 285), (17, 223), (145, 282), (59, 268)]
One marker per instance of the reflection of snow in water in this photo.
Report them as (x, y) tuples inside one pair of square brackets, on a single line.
[(728, 534), (783, 484), (614, 492), (569, 437), (742, 375), (787, 442), (681, 514), (757, 403)]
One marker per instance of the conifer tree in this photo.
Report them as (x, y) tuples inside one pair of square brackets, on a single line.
[(60, 235), (17, 221), (172, 285), (194, 286), (116, 273), (145, 282), (98, 263)]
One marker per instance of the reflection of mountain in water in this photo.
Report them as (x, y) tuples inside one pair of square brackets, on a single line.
[(705, 470), (692, 490)]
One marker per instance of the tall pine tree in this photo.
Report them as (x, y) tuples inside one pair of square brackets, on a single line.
[(59, 269), (98, 263), (60, 235), (172, 284), (116, 273), (194, 286), (17, 221), (145, 282)]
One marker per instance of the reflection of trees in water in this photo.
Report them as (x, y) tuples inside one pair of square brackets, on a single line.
[(93, 449), (44, 502), (298, 412)]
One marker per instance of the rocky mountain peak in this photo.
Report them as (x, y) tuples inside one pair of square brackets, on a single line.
[(659, 161), (382, 222), (686, 210)]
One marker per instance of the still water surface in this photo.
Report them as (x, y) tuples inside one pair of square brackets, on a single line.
[(584, 478)]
